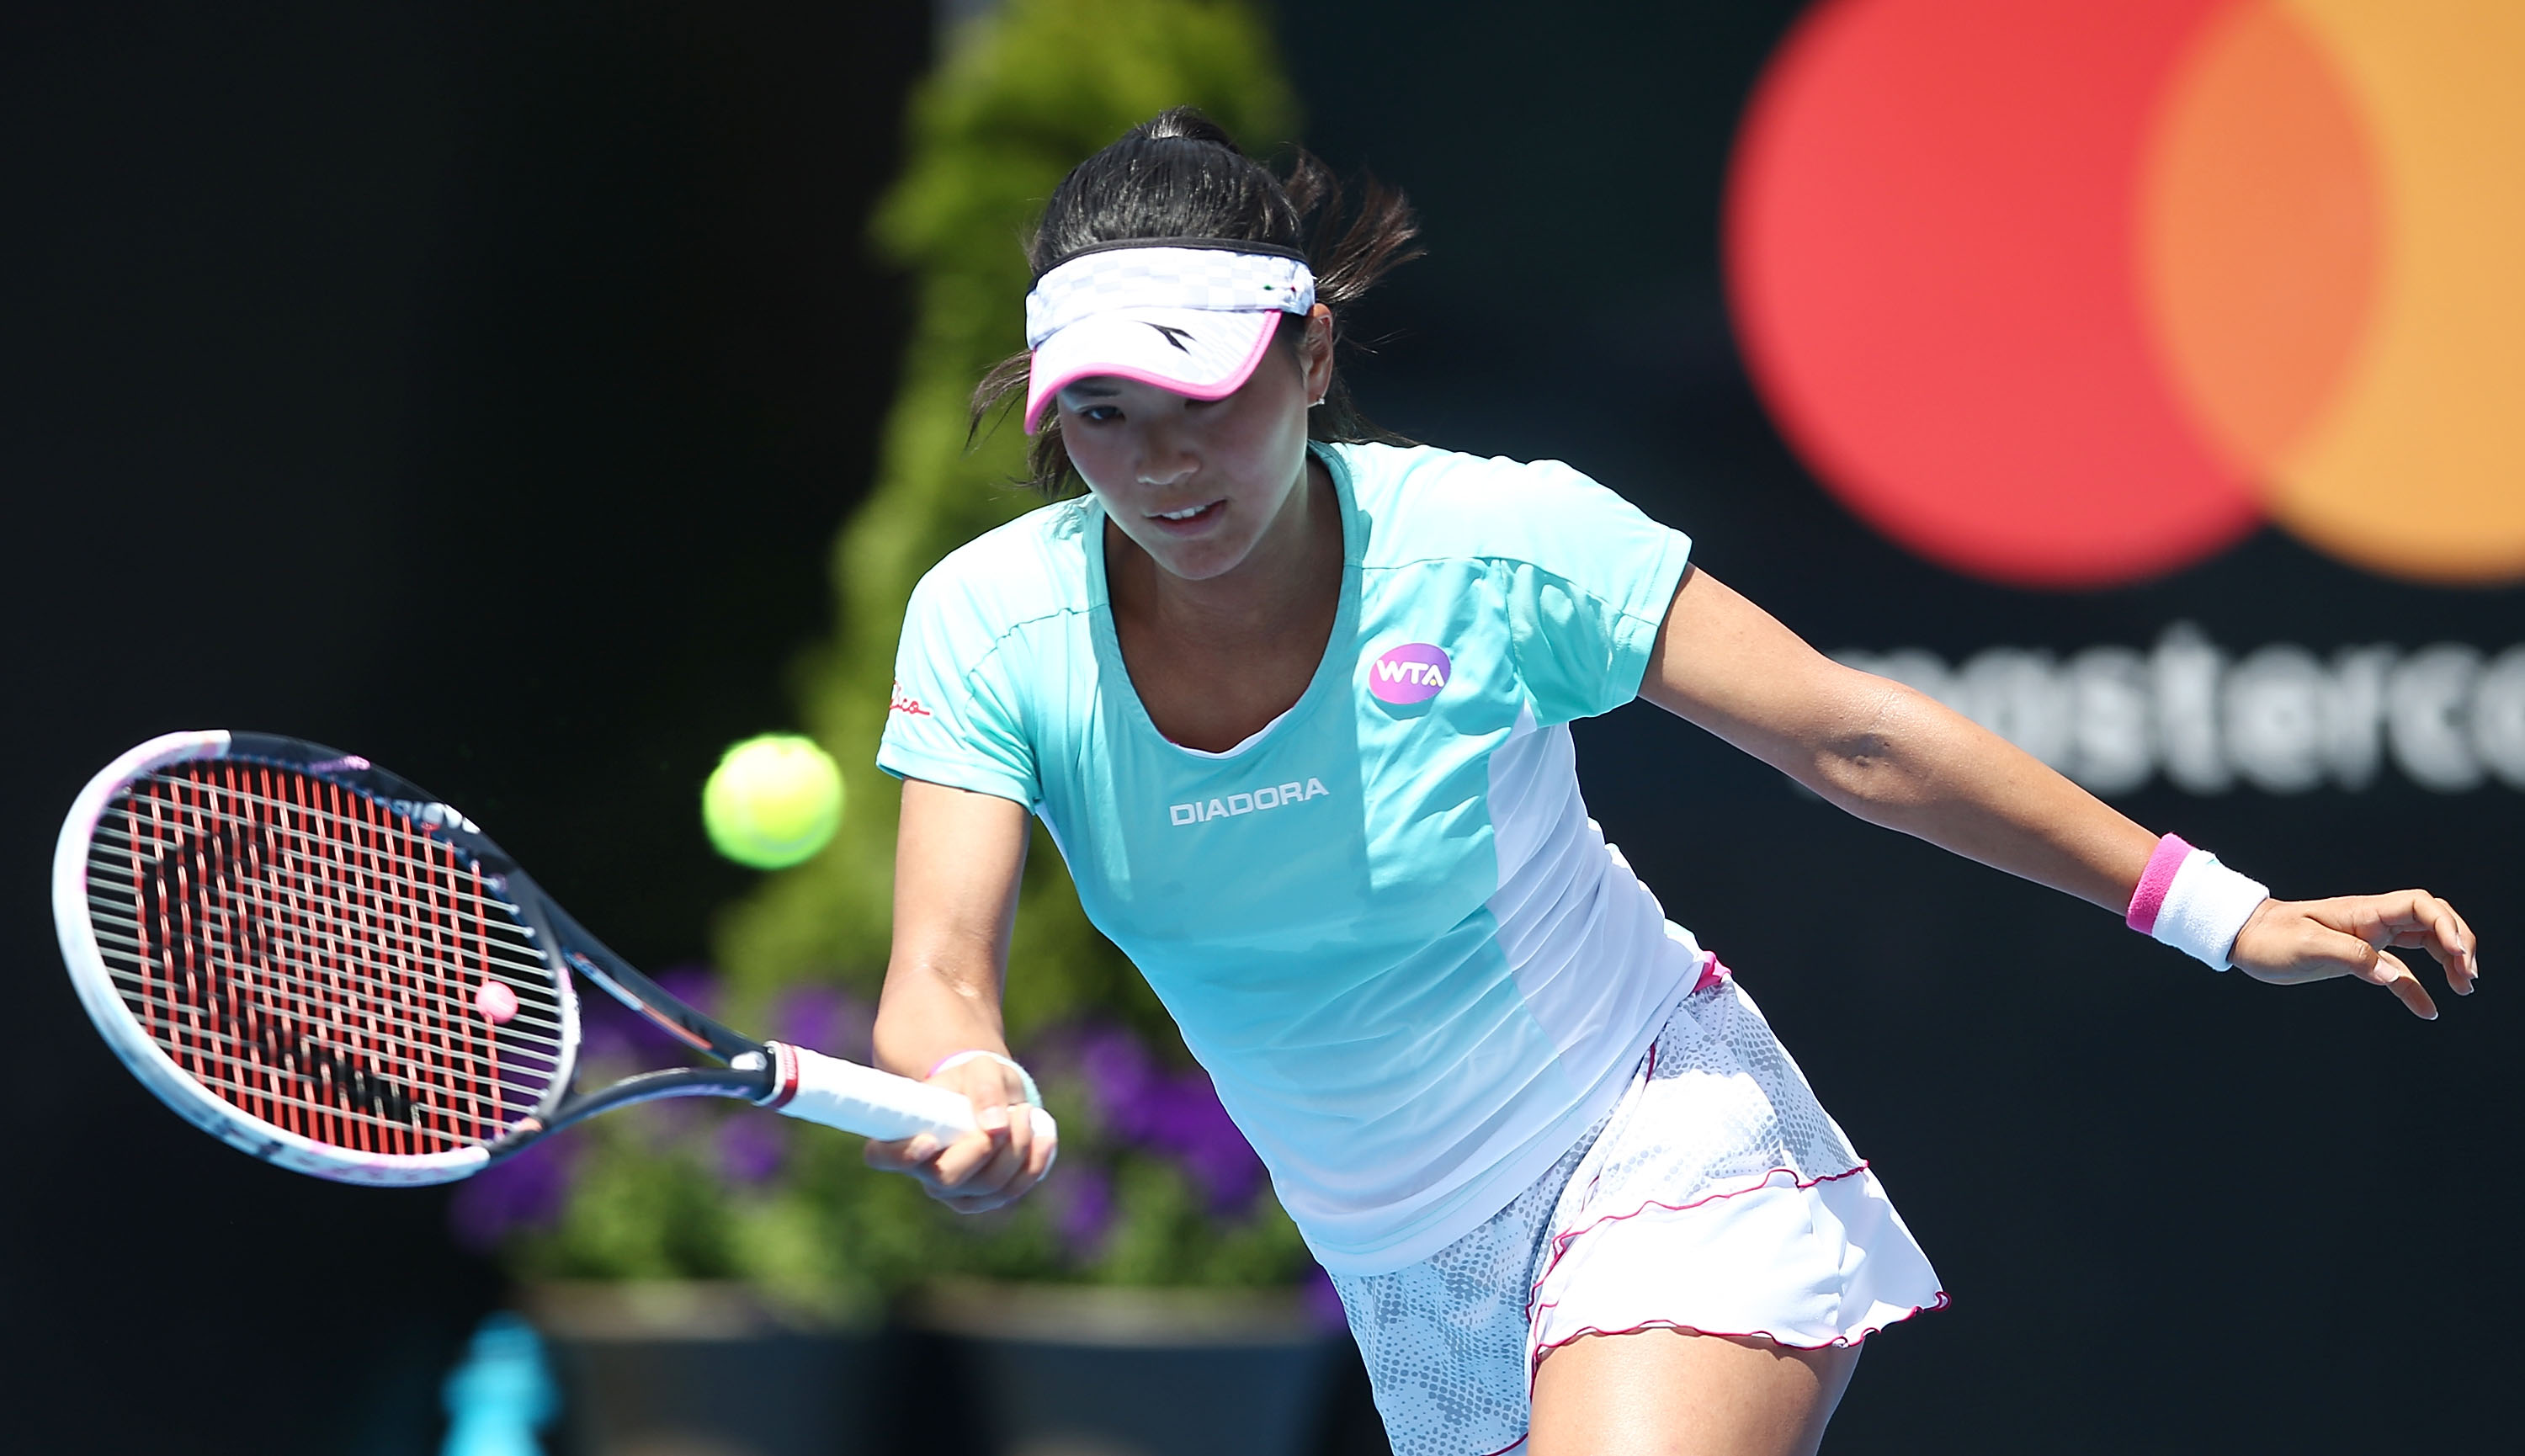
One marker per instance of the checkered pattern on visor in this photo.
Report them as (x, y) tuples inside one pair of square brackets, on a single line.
[(1163, 278)]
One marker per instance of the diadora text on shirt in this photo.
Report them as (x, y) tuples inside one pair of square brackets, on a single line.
[(1267, 797)]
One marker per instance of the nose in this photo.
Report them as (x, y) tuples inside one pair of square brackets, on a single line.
[(1167, 456)]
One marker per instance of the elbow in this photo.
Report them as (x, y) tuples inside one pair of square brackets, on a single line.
[(1858, 776), (1874, 767)]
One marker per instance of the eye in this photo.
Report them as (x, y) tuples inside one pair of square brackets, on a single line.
[(1099, 414)]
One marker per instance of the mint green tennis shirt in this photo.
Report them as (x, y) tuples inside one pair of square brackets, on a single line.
[(1412, 967)]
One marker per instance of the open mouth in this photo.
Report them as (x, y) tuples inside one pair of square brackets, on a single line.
[(1189, 515)]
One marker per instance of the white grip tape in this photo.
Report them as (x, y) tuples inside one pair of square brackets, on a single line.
[(817, 1088)]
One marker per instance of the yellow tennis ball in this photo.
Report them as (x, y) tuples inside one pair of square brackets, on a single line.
[(772, 801)]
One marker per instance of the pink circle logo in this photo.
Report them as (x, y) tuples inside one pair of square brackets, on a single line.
[(1409, 674)]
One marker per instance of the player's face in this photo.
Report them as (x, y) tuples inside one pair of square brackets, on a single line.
[(1199, 484)]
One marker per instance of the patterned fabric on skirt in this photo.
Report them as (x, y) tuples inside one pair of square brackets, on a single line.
[(1717, 1196)]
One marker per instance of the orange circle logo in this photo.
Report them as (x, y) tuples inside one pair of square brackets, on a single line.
[(2075, 293)]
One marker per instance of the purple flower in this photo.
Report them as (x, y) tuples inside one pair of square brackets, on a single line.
[(525, 1191), (1085, 1213), (1121, 1082), (610, 1031), (751, 1149), (1323, 1302), (1174, 1114), (1206, 1140), (827, 1018), (696, 986)]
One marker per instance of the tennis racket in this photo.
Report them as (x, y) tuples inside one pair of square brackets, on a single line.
[(314, 960)]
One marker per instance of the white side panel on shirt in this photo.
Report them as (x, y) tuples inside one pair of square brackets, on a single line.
[(1591, 948)]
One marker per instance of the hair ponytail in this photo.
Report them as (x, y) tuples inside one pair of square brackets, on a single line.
[(1180, 175)]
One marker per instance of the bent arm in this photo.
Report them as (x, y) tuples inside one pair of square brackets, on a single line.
[(1898, 758), (958, 858)]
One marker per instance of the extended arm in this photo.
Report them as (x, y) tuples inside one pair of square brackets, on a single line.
[(1898, 758), (957, 856)]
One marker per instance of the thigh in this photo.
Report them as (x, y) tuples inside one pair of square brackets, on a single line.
[(1660, 1392)]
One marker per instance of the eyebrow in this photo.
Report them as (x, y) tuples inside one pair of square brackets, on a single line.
[(1090, 390)]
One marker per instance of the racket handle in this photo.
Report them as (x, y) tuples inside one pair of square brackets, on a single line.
[(817, 1088)]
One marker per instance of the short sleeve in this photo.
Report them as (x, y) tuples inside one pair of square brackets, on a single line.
[(1588, 580), (955, 719)]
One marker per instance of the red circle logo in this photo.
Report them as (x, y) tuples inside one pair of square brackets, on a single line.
[(2075, 293)]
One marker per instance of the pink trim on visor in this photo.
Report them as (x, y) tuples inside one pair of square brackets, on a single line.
[(2154, 882), (1040, 389)]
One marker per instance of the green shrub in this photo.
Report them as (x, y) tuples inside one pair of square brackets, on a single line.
[(1019, 98), (1024, 96)]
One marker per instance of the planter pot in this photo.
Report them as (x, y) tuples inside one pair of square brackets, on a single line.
[(704, 1370), (1090, 1371)]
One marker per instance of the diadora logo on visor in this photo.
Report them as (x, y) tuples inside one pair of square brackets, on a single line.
[(1173, 335), (1409, 674), (1270, 796)]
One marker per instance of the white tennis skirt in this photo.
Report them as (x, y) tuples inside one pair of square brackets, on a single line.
[(1716, 1197)]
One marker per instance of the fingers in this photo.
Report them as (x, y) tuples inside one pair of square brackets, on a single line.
[(2286, 945), (2290, 944), (981, 1162), (987, 1168), (2471, 951), (2447, 940), (955, 1172), (2322, 952), (900, 1155), (2390, 973), (2413, 919), (993, 1167)]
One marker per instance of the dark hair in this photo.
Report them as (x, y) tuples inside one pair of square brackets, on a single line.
[(1179, 174)]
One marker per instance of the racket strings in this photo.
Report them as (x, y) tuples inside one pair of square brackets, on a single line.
[(245, 809), (315, 960), (126, 930), (296, 983)]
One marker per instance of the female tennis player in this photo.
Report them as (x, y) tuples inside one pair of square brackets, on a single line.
[(1294, 700)]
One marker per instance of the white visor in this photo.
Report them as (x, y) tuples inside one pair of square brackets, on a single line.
[(1191, 315)]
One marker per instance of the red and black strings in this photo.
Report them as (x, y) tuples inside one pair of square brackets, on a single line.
[(315, 959)]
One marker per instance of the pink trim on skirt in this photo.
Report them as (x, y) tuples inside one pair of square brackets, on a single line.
[(1717, 1196)]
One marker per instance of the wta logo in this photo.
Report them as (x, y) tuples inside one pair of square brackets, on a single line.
[(1409, 674), (2076, 294)]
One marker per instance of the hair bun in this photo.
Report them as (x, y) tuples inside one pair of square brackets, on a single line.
[(1185, 124)]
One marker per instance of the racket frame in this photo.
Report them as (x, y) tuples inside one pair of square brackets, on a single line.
[(563, 945), (147, 1060), (795, 1082)]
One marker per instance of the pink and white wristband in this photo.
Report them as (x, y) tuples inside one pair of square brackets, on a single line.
[(2190, 901)]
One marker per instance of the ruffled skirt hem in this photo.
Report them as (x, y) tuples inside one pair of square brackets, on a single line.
[(1806, 1263)]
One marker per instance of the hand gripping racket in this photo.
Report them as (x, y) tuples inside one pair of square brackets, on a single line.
[(321, 963)]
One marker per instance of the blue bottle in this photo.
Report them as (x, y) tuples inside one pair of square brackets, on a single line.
[(501, 1394)]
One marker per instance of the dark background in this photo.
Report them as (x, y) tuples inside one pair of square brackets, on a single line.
[(514, 366)]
